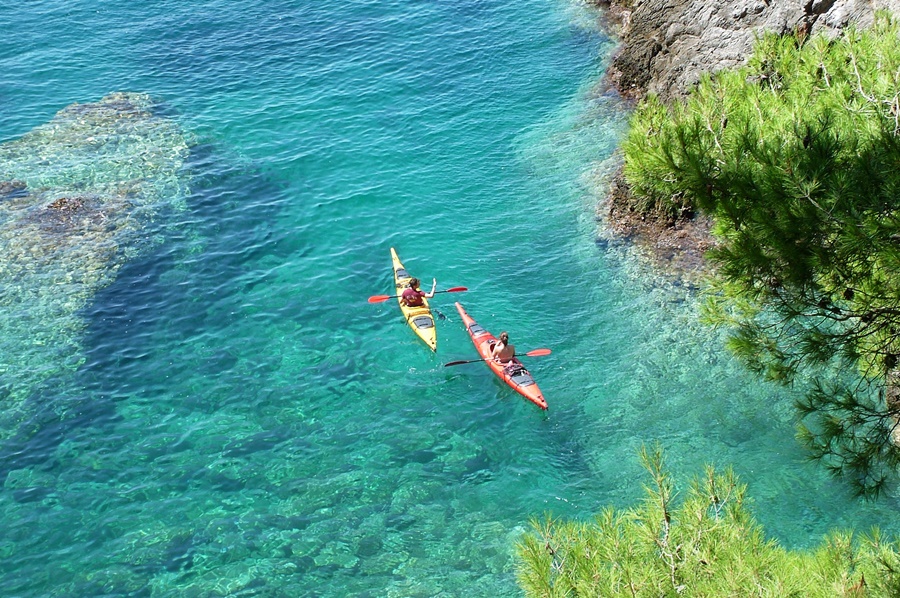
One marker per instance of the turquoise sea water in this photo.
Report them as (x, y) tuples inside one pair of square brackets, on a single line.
[(221, 412)]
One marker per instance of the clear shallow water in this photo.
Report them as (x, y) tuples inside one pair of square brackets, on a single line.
[(244, 423)]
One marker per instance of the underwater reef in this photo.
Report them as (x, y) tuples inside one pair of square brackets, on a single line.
[(79, 197)]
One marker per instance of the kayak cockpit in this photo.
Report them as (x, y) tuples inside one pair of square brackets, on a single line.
[(421, 322), (476, 330), (520, 376)]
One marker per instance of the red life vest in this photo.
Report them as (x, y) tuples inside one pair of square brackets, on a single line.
[(412, 297)]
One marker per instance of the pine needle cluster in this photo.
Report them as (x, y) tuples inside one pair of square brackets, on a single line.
[(796, 156), (706, 544)]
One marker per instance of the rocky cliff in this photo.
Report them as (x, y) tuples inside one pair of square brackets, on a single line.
[(665, 47), (667, 44)]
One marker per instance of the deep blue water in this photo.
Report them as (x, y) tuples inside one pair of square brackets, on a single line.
[(223, 413)]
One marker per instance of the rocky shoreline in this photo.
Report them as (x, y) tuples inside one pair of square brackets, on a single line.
[(665, 47)]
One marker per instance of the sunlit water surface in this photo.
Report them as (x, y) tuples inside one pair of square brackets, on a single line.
[(231, 417)]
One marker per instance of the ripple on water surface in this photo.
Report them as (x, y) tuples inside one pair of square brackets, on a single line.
[(218, 410)]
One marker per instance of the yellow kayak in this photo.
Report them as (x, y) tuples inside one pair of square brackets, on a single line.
[(419, 318)]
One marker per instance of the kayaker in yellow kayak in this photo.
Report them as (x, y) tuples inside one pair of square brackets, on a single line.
[(412, 294)]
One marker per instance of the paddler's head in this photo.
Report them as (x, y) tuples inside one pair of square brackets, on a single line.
[(414, 283), (504, 338)]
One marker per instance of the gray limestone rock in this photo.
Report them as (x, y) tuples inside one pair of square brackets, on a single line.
[(668, 44)]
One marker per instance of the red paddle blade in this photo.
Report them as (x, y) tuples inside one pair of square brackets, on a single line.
[(378, 298), (456, 289), (539, 352)]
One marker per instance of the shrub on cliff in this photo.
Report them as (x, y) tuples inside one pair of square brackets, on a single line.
[(796, 156), (704, 545)]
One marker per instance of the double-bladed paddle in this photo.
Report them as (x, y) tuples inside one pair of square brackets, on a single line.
[(532, 353), (380, 298)]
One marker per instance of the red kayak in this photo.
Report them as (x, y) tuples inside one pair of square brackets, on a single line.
[(513, 373)]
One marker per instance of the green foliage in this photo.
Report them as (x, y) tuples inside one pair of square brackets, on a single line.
[(796, 156), (704, 545)]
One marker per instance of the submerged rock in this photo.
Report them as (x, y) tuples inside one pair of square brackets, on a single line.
[(79, 196), (11, 189)]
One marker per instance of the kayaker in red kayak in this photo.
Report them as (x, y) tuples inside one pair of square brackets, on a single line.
[(412, 295), (502, 351), (512, 372)]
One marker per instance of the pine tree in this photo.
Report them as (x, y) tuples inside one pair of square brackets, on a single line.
[(796, 157), (704, 545)]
